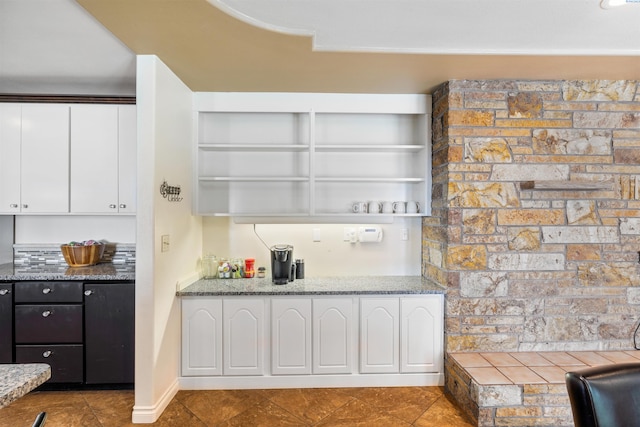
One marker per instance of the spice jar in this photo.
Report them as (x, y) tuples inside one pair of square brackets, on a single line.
[(261, 272), (248, 267), (209, 267)]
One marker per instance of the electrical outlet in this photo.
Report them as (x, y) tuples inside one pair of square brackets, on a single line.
[(405, 234), (165, 243), (349, 235), (316, 234)]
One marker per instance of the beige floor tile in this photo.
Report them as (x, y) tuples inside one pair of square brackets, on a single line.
[(501, 359), (618, 356), (470, 360), (531, 359), (562, 358), (590, 358), (552, 374), (487, 376), (443, 413), (521, 375)]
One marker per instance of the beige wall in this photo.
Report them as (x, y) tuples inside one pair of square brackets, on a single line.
[(536, 269)]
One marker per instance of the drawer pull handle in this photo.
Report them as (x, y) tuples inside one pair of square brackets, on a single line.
[(46, 290), (112, 206), (46, 353), (4, 291), (13, 205), (88, 292), (46, 313)]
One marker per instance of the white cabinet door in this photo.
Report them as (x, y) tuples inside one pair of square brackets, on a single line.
[(332, 335), (10, 136), (201, 336), (379, 335), (44, 174), (421, 334), (127, 155), (243, 336), (290, 336), (94, 158)]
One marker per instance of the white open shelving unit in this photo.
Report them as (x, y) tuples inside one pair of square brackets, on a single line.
[(295, 157)]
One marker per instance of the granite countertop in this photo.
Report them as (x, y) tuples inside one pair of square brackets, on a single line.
[(364, 285), (102, 271), (19, 379)]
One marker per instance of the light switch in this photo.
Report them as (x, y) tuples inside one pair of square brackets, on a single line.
[(316, 234), (165, 243)]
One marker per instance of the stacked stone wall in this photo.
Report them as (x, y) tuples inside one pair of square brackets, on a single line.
[(554, 268)]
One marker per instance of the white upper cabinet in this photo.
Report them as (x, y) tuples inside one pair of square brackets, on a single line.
[(34, 143), (102, 159), (311, 155), (10, 141)]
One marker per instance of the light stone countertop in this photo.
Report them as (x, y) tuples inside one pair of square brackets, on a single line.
[(19, 379), (102, 271), (362, 285)]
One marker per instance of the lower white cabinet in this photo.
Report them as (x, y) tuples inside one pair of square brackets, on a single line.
[(332, 335), (243, 342), (379, 335), (306, 341), (290, 336), (202, 336)]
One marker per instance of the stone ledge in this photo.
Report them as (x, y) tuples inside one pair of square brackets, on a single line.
[(520, 388)]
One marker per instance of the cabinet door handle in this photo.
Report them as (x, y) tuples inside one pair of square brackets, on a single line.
[(25, 206), (112, 206), (47, 353), (88, 292), (4, 291), (122, 206), (46, 313), (13, 205), (46, 290)]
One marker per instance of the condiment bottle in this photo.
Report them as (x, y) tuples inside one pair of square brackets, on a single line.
[(248, 267)]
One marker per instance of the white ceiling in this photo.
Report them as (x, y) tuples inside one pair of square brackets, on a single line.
[(58, 47)]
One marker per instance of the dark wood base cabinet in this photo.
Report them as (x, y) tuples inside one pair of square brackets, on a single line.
[(84, 331), (6, 322), (109, 334)]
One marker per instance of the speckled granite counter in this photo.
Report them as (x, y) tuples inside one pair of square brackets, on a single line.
[(382, 285), (19, 379), (104, 271)]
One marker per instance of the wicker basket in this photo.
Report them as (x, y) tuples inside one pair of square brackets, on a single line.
[(82, 256)]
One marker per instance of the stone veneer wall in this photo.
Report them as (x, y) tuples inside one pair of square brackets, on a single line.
[(535, 269)]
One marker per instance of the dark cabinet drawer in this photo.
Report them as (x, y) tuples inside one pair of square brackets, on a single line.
[(48, 292), (6, 322), (65, 360), (48, 323)]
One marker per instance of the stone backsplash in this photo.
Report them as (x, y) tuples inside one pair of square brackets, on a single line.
[(30, 254), (552, 265)]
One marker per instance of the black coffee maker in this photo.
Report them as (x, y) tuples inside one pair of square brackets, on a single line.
[(281, 264)]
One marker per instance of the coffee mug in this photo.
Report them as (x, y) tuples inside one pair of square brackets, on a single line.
[(387, 207), (399, 207), (413, 207), (359, 207), (374, 207)]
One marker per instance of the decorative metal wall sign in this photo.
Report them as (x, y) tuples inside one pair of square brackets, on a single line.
[(170, 192)]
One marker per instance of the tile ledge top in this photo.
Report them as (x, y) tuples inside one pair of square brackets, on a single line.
[(363, 285)]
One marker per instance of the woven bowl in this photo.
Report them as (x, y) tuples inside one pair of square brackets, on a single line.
[(82, 256)]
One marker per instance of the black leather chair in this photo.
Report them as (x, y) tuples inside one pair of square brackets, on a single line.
[(605, 396)]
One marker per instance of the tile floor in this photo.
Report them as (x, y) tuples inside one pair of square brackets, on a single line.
[(371, 407), (535, 367)]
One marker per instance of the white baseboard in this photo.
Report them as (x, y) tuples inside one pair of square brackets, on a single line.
[(150, 414), (310, 381)]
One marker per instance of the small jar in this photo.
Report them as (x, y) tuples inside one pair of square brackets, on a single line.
[(209, 267), (249, 272), (262, 272)]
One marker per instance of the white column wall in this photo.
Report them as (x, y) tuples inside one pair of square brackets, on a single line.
[(164, 153)]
